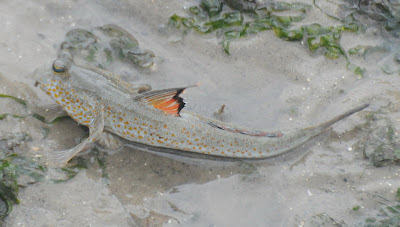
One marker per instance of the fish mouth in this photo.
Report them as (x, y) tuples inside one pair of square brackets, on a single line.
[(36, 83)]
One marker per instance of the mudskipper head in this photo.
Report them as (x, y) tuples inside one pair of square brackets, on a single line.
[(46, 76)]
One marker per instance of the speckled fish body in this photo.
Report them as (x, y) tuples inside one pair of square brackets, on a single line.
[(102, 101)]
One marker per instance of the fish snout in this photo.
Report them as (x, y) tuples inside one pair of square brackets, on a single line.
[(42, 74)]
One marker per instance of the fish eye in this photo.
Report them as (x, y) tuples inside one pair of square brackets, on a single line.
[(65, 55), (59, 66)]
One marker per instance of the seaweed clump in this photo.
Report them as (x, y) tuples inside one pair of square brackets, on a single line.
[(111, 42), (381, 17), (388, 214), (385, 14), (12, 167), (245, 20)]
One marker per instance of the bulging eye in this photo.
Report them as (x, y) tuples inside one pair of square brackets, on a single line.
[(59, 66)]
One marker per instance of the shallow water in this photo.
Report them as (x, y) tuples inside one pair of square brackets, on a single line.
[(266, 83)]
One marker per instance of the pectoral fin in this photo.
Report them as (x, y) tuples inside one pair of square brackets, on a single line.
[(60, 158), (167, 100)]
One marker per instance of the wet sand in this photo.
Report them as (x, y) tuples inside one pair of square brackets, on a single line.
[(266, 83)]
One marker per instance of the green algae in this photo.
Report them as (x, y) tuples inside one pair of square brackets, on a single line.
[(210, 17), (55, 120), (71, 171), (21, 101), (388, 215), (103, 45), (34, 115), (2, 116), (382, 15), (11, 168)]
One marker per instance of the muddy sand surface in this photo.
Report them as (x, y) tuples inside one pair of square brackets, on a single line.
[(265, 83)]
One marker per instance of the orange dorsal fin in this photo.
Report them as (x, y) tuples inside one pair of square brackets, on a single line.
[(167, 100)]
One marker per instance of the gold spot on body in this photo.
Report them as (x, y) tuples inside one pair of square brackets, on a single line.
[(140, 137)]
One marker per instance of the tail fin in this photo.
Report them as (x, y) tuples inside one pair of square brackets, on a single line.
[(323, 126)]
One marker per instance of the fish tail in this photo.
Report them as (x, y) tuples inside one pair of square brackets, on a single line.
[(321, 127)]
